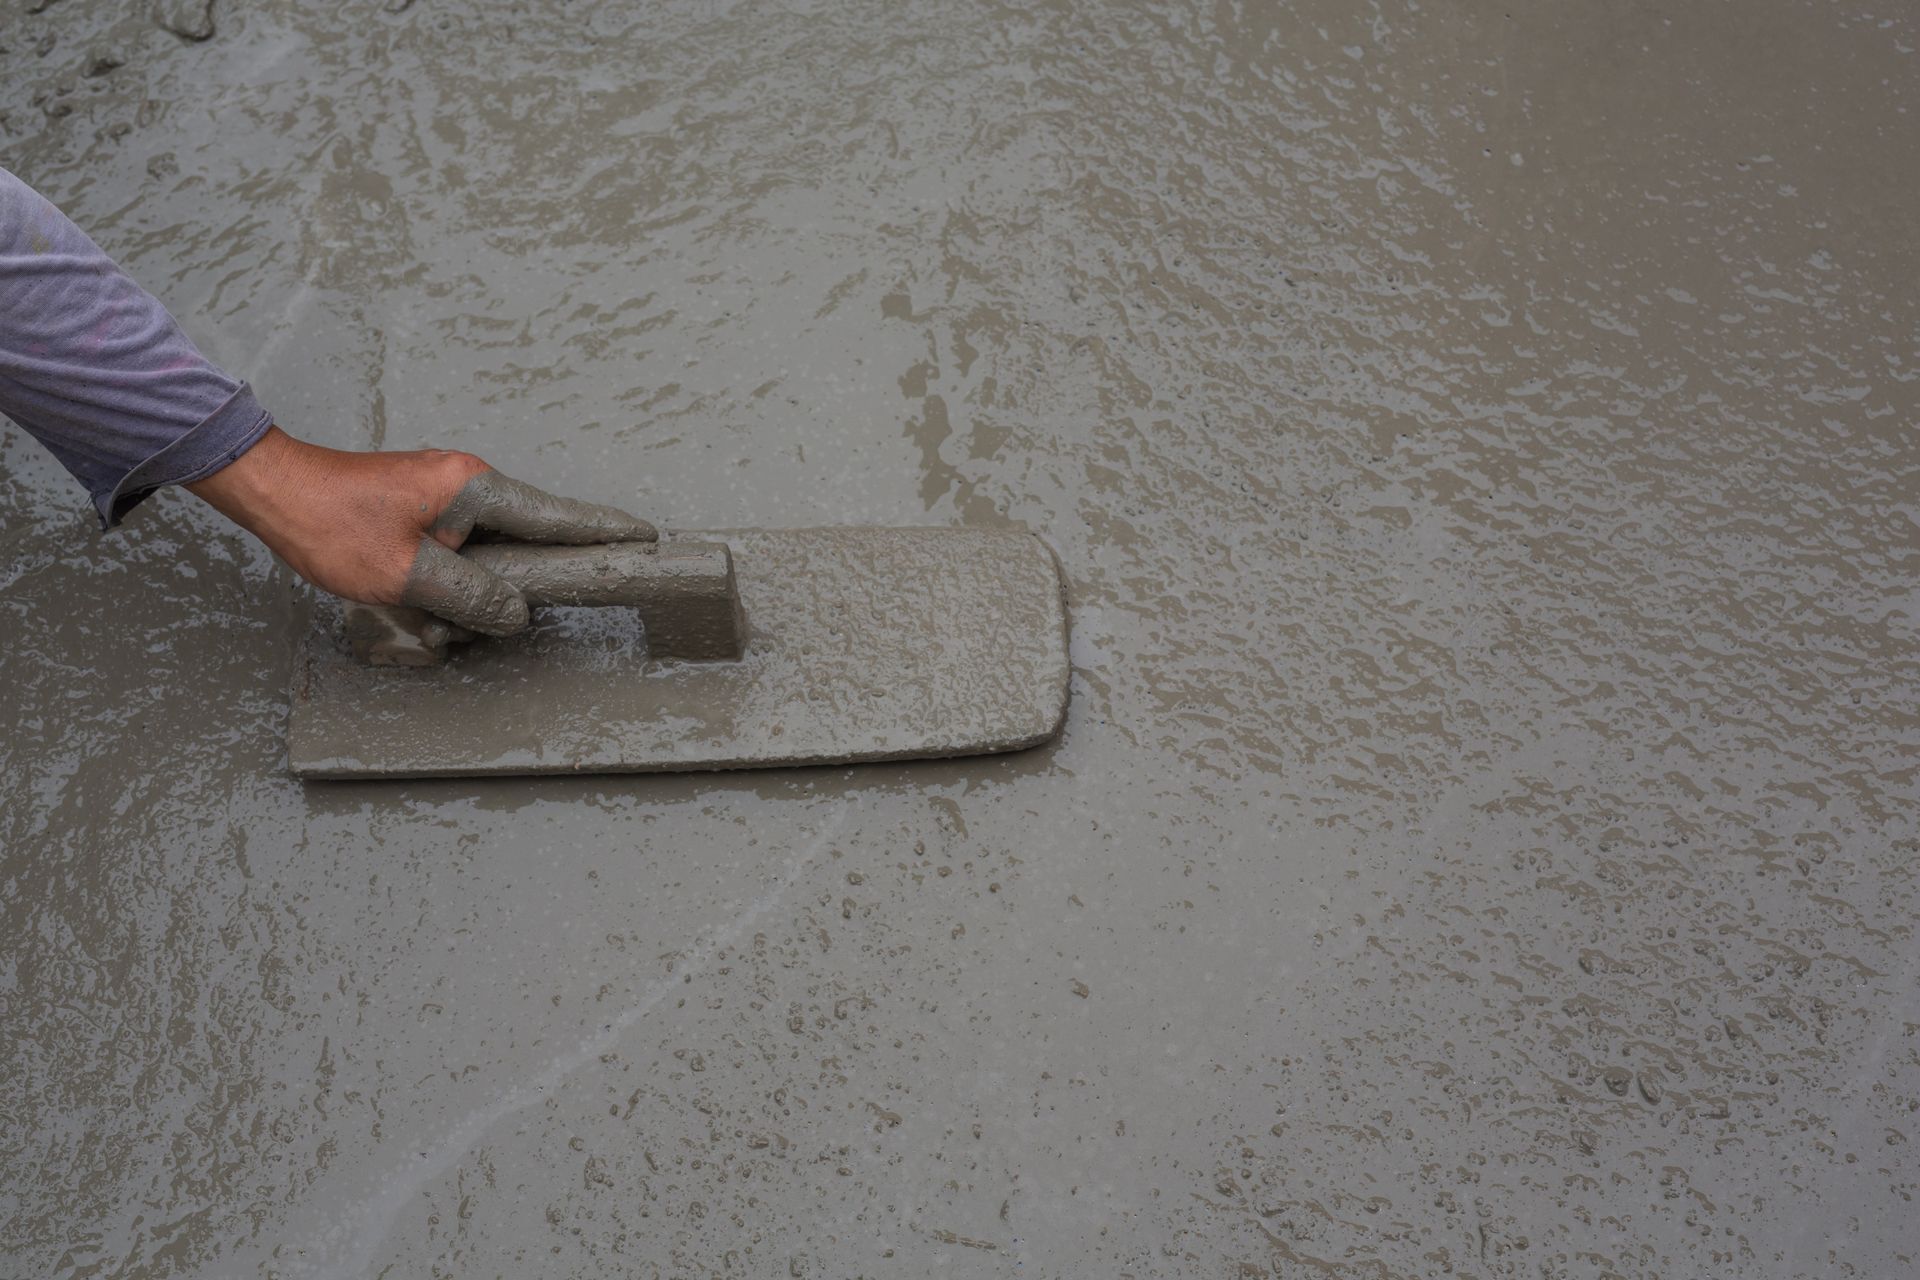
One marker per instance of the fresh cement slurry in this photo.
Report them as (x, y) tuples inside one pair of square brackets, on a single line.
[(1479, 440)]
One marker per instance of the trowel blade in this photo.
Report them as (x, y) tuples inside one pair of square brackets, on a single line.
[(863, 644)]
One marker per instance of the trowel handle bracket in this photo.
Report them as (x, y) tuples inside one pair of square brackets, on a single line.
[(684, 592)]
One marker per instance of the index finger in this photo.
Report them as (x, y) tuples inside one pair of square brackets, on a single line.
[(503, 505)]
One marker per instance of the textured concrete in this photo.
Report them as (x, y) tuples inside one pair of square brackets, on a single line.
[(863, 644), (1480, 442)]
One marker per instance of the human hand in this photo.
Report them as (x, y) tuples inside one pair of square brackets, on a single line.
[(383, 528)]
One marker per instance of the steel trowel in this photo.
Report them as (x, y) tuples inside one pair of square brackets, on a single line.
[(730, 649)]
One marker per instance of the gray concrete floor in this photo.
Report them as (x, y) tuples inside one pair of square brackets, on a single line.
[(1481, 442)]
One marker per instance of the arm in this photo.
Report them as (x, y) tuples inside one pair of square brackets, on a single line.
[(93, 367)]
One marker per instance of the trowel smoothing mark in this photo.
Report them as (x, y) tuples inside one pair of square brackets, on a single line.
[(347, 1247)]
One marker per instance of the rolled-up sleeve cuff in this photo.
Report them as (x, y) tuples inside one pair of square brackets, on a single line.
[(222, 436)]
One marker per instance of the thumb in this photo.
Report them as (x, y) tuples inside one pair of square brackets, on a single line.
[(448, 585)]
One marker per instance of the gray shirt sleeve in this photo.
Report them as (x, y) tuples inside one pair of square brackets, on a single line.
[(95, 369)]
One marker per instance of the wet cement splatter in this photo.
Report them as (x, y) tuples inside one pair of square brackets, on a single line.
[(1481, 445)]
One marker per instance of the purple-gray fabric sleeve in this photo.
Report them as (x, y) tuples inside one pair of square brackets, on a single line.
[(95, 369)]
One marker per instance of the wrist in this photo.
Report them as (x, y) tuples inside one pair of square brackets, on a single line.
[(253, 489)]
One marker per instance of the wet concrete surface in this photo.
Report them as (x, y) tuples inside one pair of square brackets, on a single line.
[(1480, 443)]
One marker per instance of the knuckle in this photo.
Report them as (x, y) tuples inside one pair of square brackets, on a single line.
[(457, 468)]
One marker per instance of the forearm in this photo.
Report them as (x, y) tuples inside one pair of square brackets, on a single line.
[(94, 367)]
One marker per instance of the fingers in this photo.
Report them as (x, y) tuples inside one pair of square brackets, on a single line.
[(464, 597), (516, 509), (461, 592)]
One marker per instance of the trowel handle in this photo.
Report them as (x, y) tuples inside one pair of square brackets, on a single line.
[(684, 592), (613, 573)]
